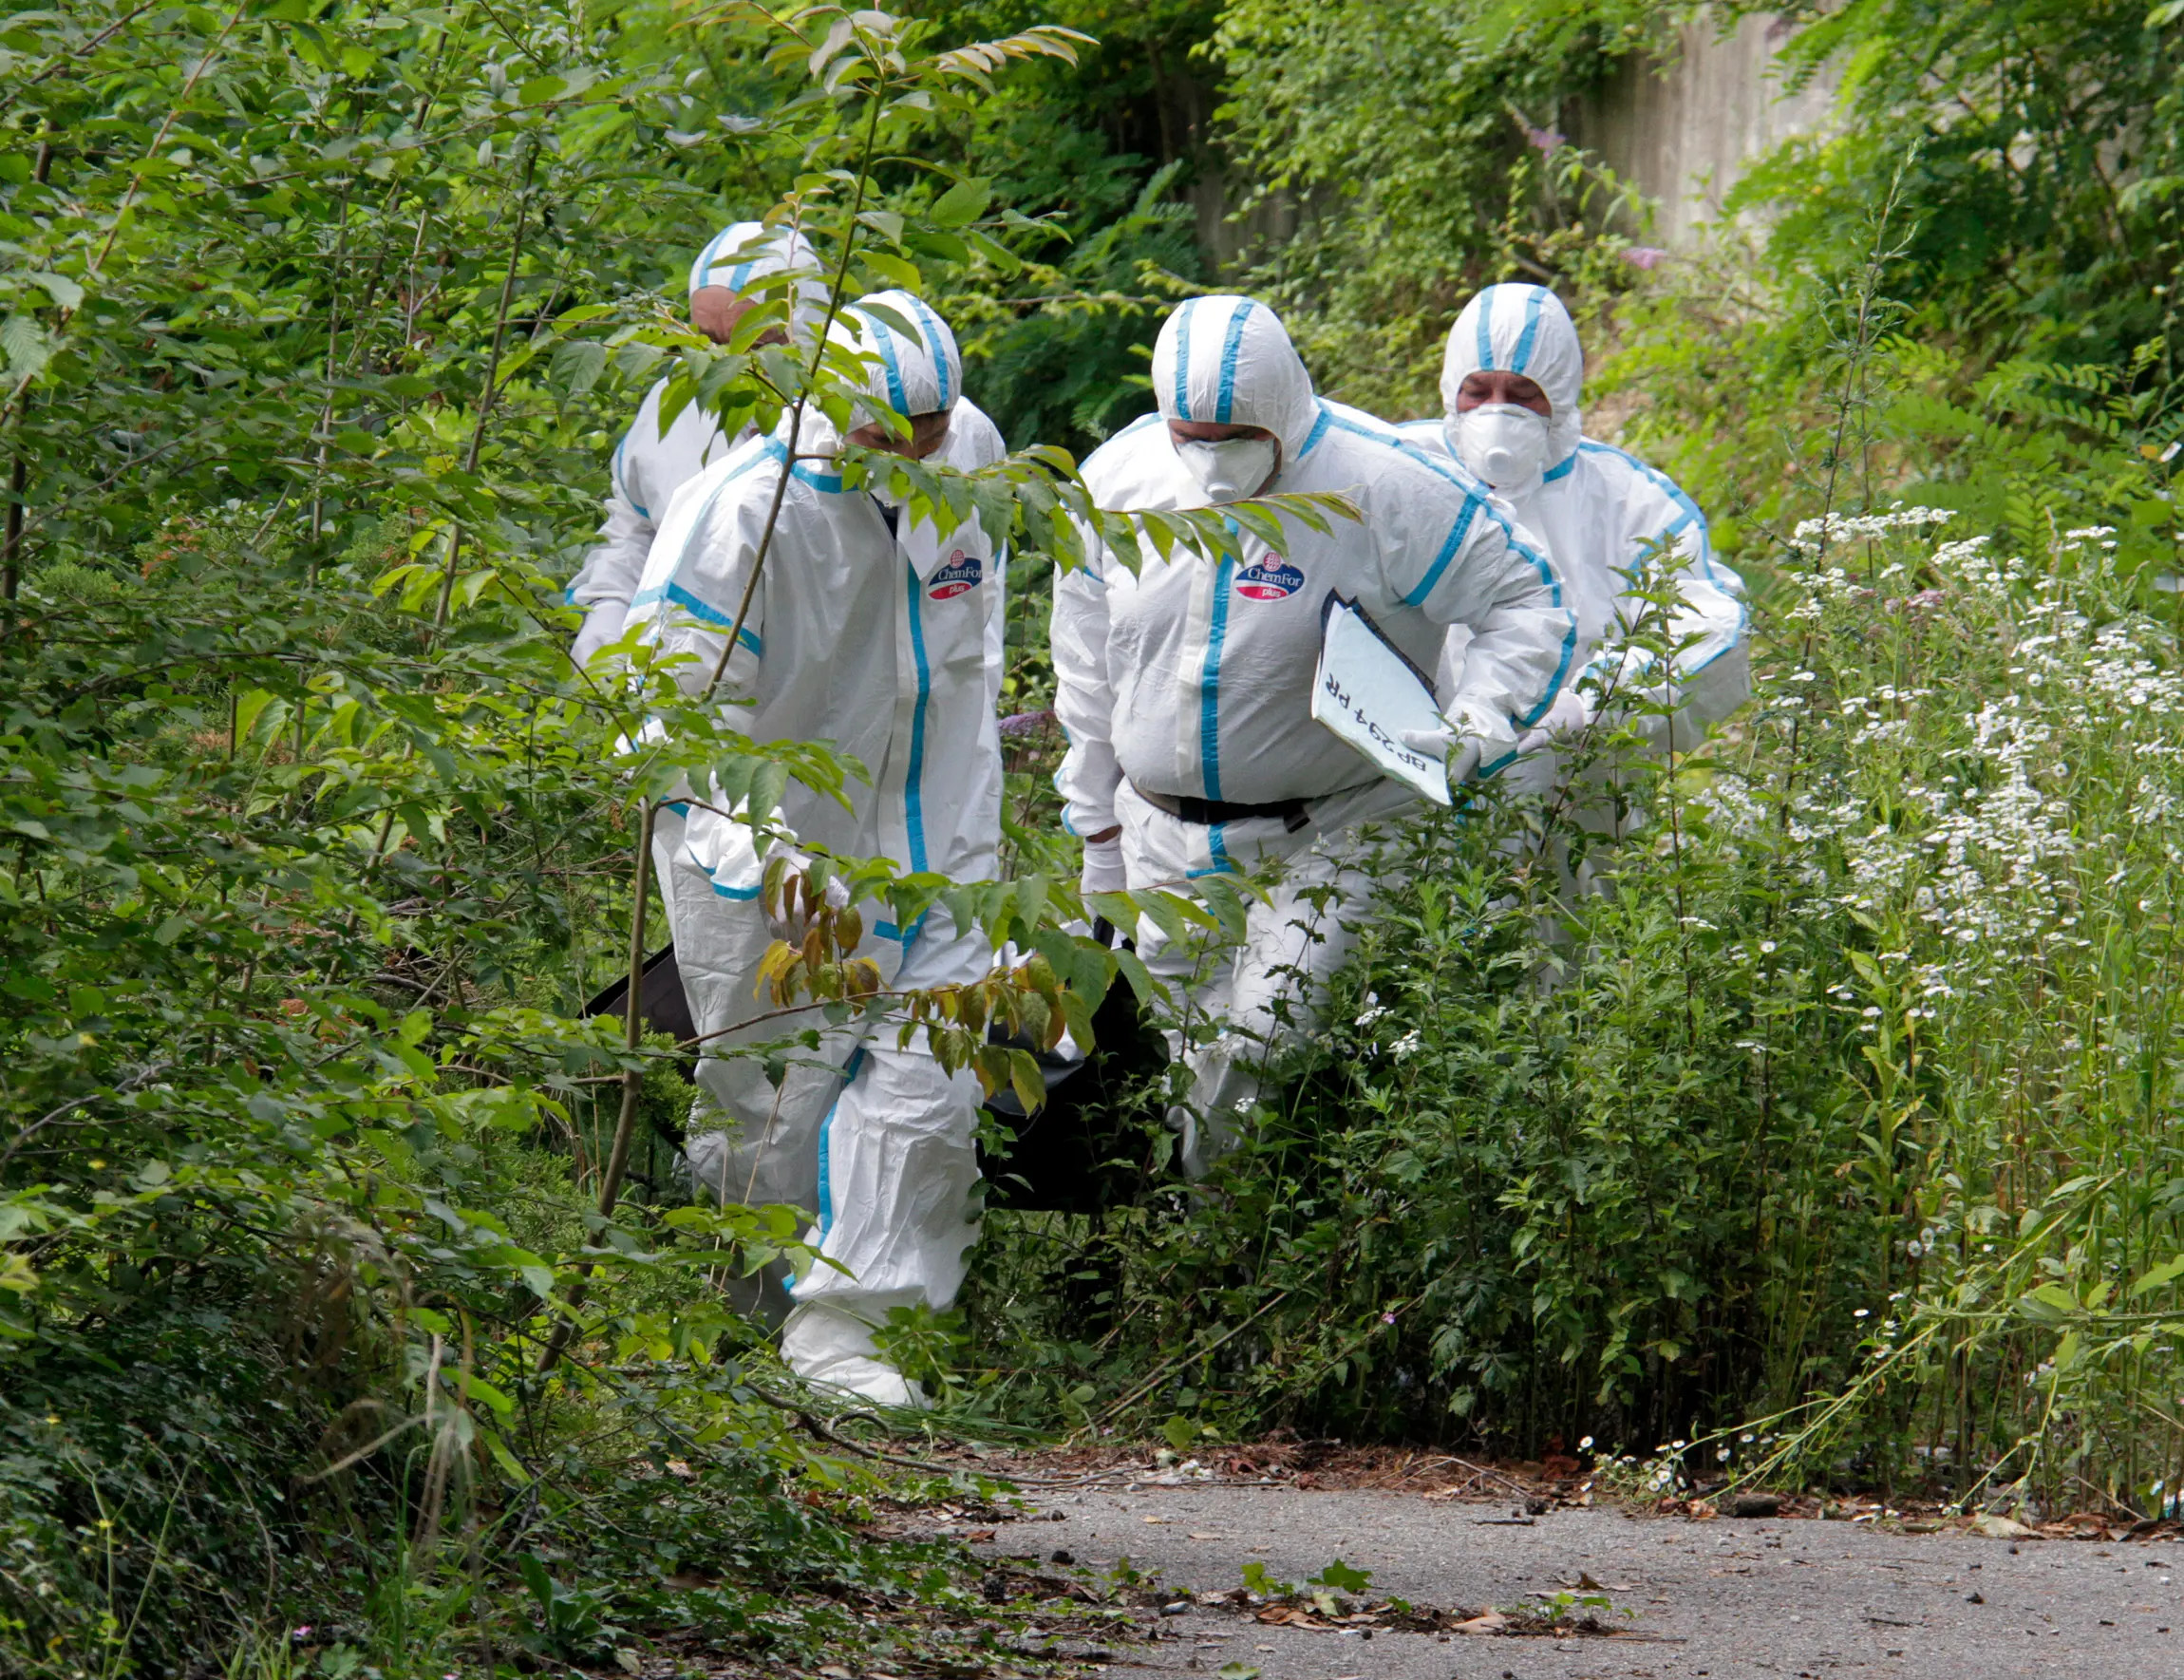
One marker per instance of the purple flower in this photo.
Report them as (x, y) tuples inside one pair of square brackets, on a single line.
[(1024, 723), (1644, 257), (1546, 139)]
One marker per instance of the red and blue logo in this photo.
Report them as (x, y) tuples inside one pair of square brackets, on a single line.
[(1272, 579), (962, 572)]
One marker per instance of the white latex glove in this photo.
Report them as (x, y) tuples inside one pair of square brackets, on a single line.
[(1460, 754), (602, 625), (1571, 713), (1102, 866)]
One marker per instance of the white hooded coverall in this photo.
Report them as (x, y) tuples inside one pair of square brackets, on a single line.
[(885, 641), (1600, 512), (650, 464), (1192, 680)]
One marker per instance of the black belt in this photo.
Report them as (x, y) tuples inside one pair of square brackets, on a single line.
[(1294, 814)]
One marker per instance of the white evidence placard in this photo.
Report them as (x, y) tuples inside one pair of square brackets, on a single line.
[(1370, 696)]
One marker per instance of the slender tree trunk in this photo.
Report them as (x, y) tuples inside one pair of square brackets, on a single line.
[(492, 375), (19, 470), (632, 1085)]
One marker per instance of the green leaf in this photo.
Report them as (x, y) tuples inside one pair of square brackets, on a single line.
[(1026, 1081), (475, 1387), (65, 291), (25, 345), (994, 251), (503, 1455), (929, 242), (248, 709), (886, 223), (962, 203), (1132, 968), (2048, 1304), (892, 270), (540, 1583)]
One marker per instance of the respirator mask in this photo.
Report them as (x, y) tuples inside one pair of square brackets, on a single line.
[(1229, 470), (1505, 444)]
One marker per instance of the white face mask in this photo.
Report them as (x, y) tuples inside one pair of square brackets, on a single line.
[(1505, 444), (1230, 470)]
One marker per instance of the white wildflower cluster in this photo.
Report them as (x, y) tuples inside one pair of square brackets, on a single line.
[(1837, 583), (1734, 808), (1993, 849), (2042, 753), (1813, 535), (1630, 1477), (2119, 672), (1983, 858), (1969, 564), (1884, 715)]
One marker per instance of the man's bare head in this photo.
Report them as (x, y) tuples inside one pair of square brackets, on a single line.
[(717, 312)]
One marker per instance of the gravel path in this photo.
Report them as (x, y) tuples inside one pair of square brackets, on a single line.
[(1727, 1600)]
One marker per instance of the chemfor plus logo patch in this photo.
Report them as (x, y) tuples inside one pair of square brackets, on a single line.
[(960, 572), (1271, 579)]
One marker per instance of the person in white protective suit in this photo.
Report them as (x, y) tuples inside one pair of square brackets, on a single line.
[(870, 629), (650, 464), (1186, 690), (1509, 383)]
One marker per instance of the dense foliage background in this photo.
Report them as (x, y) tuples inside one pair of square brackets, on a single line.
[(1833, 1131)]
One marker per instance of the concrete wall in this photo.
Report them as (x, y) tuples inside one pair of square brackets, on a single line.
[(1685, 132)]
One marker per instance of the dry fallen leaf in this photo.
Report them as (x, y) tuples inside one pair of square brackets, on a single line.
[(1492, 1622), (1211, 1537), (1287, 1615), (975, 1535)]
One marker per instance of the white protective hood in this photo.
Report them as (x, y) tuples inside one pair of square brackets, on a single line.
[(652, 461), (920, 375), (1228, 360), (1514, 329), (746, 250)]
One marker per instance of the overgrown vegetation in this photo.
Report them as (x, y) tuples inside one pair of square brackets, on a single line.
[(1825, 1136), (322, 1302), (345, 1282)]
